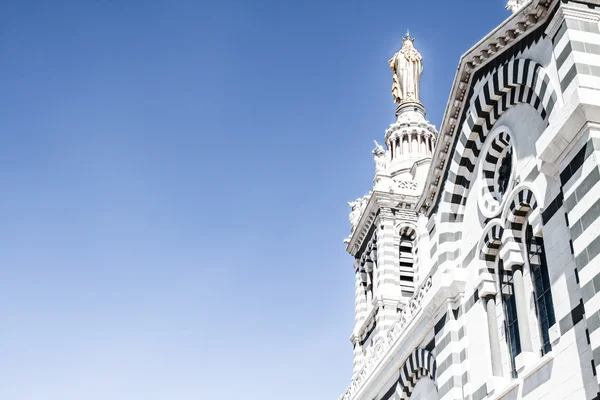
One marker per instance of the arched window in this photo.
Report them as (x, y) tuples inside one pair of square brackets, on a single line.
[(407, 262), (511, 322), (541, 287), (407, 254)]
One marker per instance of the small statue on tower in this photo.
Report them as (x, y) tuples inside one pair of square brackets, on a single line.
[(407, 67), (516, 5), (380, 159), (356, 209)]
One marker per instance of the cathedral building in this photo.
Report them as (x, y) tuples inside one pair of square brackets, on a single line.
[(477, 250)]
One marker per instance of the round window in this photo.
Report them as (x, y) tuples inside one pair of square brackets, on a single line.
[(496, 172)]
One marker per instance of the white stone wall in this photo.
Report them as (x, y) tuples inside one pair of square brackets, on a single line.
[(556, 163)]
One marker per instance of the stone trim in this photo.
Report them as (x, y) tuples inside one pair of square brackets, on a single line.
[(517, 81), (526, 27)]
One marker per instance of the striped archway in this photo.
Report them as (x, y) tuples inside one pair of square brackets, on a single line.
[(499, 147), (518, 81), (491, 240), (407, 230), (521, 202), (420, 364)]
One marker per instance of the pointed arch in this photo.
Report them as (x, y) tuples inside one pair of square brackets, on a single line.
[(517, 81)]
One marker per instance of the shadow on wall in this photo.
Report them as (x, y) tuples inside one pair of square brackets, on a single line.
[(425, 390), (537, 379)]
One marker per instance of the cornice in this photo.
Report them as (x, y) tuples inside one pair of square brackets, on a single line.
[(579, 13), (511, 31), (378, 201)]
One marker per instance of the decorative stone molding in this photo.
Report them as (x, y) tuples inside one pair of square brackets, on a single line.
[(380, 205), (400, 339), (357, 208), (382, 346), (572, 13), (497, 145), (407, 185), (513, 29), (486, 285), (421, 363), (536, 222), (491, 240), (512, 255)]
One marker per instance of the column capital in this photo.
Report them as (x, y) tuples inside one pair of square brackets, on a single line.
[(486, 286), (535, 220), (389, 301), (512, 255)]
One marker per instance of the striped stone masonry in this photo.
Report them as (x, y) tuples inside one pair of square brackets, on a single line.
[(577, 47), (389, 272), (487, 285), (580, 182)]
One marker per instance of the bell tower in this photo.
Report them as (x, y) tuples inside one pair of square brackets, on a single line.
[(386, 231)]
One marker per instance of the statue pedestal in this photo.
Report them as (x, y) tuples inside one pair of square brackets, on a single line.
[(410, 107)]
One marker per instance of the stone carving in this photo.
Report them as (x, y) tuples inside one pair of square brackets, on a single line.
[(407, 67), (380, 159), (356, 209), (381, 348), (516, 5), (407, 185)]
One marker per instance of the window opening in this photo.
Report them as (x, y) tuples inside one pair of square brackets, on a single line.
[(541, 287), (511, 325), (407, 261), (504, 171)]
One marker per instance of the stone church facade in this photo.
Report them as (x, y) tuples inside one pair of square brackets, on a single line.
[(477, 250)]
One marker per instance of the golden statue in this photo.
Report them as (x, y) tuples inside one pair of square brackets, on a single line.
[(407, 66)]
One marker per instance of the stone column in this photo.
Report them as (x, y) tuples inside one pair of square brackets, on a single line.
[(490, 305), (522, 312), (358, 355), (360, 312), (360, 297), (512, 257), (370, 284), (487, 292)]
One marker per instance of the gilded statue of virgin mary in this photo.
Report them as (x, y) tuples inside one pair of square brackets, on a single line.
[(407, 67)]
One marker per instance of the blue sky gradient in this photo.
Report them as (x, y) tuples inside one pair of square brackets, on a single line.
[(174, 181)]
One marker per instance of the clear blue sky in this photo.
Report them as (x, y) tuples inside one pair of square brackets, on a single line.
[(174, 178)]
